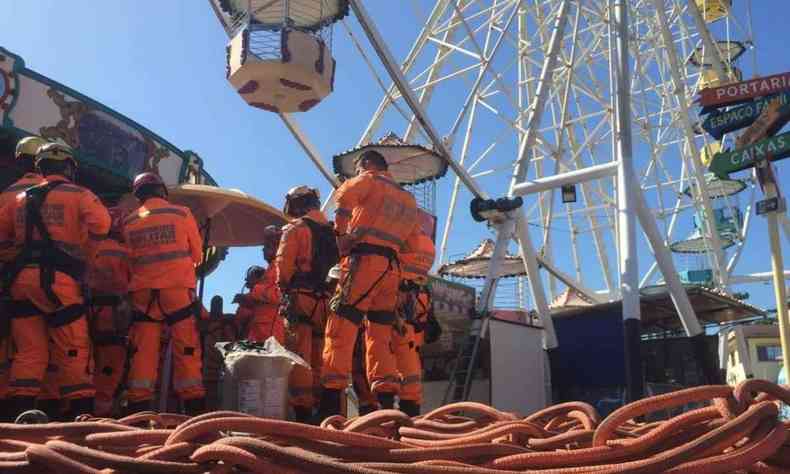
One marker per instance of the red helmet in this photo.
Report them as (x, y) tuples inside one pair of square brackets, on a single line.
[(143, 179)]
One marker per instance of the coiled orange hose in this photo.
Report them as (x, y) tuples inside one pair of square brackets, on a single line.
[(737, 432)]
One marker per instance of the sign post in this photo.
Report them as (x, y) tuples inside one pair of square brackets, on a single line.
[(757, 148), (777, 262)]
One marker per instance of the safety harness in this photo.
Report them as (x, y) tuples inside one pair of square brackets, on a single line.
[(349, 311), (105, 338), (48, 257), (169, 318), (324, 255)]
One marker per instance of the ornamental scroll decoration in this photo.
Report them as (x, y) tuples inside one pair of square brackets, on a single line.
[(102, 141)]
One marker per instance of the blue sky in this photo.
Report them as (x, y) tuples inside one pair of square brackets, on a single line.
[(163, 65)]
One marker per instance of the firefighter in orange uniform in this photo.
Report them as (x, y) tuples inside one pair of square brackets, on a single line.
[(373, 218), (56, 225), (25, 156), (165, 247), (414, 309), (306, 253), (264, 297), (108, 281), (246, 309)]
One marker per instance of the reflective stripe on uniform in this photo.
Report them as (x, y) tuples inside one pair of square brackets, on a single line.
[(93, 236), (18, 187), (334, 377), (389, 182), (25, 383), (112, 253), (67, 389), (68, 188), (388, 379), (296, 391), (187, 383), (161, 257), (360, 232), (140, 384), (153, 212), (413, 269)]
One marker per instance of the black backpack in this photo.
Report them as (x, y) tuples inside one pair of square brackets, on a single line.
[(325, 256)]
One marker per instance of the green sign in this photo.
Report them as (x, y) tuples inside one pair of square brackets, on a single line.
[(773, 148)]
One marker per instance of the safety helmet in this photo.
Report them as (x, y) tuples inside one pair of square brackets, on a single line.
[(300, 197), (272, 232), (299, 191), (254, 273), (29, 146), (147, 178), (55, 152), (333, 274)]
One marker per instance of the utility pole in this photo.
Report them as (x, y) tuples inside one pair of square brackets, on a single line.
[(626, 207)]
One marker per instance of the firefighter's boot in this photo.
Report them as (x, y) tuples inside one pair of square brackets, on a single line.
[(386, 400), (410, 407), (303, 414), (328, 406), (19, 405), (80, 406), (51, 407), (137, 407), (194, 406)]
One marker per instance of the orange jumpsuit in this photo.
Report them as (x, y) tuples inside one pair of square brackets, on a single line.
[(408, 341), (108, 280), (266, 320), (373, 217), (76, 221), (7, 253), (414, 305), (294, 257), (165, 247)]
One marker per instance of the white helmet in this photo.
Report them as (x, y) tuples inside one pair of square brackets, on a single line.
[(300, 199), (334, 274)]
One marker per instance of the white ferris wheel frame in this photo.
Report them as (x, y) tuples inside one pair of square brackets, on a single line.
[(631, 206)]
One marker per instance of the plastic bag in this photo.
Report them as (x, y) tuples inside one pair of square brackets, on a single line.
[(255, 377)]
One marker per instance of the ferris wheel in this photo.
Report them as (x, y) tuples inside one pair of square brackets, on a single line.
[(571, 125)]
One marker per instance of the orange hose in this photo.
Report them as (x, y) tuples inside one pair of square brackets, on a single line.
[(261, 426), (232, 455)]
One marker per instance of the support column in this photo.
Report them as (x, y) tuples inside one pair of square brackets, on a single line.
[(626, 213), (777, 266), (535, 282)]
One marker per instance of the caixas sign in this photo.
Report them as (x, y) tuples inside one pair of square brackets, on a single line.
[(775, 148)]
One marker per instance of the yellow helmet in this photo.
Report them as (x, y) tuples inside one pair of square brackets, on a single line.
[(29, 146), (55, 152)]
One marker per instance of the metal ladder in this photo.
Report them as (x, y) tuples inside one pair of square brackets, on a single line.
[(460, 384)]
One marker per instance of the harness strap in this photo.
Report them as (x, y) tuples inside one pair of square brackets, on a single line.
[(365, 248), (104, 339), (65, 315), (105, 300), (169, 318), (180, 315), (21, 309), (140, 317)]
